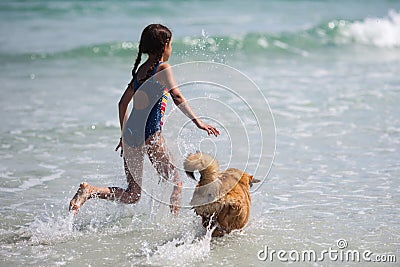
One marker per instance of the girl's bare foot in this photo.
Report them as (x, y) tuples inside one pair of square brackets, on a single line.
[(84, 193), (175, 199)]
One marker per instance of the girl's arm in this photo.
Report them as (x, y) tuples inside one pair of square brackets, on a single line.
[(123, 105), (123, 110), (167, 77)]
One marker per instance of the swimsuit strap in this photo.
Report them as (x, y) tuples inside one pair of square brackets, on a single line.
[(137, 84), (155, 68)]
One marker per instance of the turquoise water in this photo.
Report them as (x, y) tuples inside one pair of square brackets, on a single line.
[(329, 70)]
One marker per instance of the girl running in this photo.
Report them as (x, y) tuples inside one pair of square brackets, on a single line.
[(141, 131)]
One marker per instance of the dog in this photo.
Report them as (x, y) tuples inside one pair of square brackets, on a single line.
[(221, 198)]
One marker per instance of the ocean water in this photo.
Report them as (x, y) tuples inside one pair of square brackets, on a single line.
[(329, 71)]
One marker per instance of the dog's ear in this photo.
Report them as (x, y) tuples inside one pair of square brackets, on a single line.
[(253, 181), (191, 175)]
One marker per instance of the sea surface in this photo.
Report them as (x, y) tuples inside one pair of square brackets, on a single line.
[(325, 140)]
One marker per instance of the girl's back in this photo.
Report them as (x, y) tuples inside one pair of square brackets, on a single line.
[(149, 103)]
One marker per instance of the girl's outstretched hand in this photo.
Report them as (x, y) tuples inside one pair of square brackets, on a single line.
[(208, 128), (119, 146)]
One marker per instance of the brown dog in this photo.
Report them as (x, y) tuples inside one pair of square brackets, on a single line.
[(220, 196)]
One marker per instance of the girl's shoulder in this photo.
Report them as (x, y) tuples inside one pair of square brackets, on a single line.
[(163, 66), (164, 69)]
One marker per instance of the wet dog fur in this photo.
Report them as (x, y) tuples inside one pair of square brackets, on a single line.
[(221, 198)]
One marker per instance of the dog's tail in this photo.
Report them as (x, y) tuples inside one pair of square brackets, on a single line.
[(204, 163)]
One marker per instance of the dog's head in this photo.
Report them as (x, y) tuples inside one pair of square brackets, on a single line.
[(253, 181), (249, 179)]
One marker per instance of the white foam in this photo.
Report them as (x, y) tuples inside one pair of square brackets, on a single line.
[(379, 32), (32, 182)]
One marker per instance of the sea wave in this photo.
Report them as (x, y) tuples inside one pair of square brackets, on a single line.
[(378, 32), (375, 33)]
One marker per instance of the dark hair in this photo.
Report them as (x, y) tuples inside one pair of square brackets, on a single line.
[(152, 41)]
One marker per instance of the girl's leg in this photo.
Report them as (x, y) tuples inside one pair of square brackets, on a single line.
[(162, 162), (133, 165)]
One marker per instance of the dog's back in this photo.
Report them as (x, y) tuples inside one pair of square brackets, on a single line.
[(236, 211)]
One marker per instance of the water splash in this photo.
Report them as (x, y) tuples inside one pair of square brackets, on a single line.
[(193, 246), (50, 229), (189, 248)]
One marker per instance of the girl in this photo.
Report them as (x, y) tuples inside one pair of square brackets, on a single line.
[(141, 131)]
